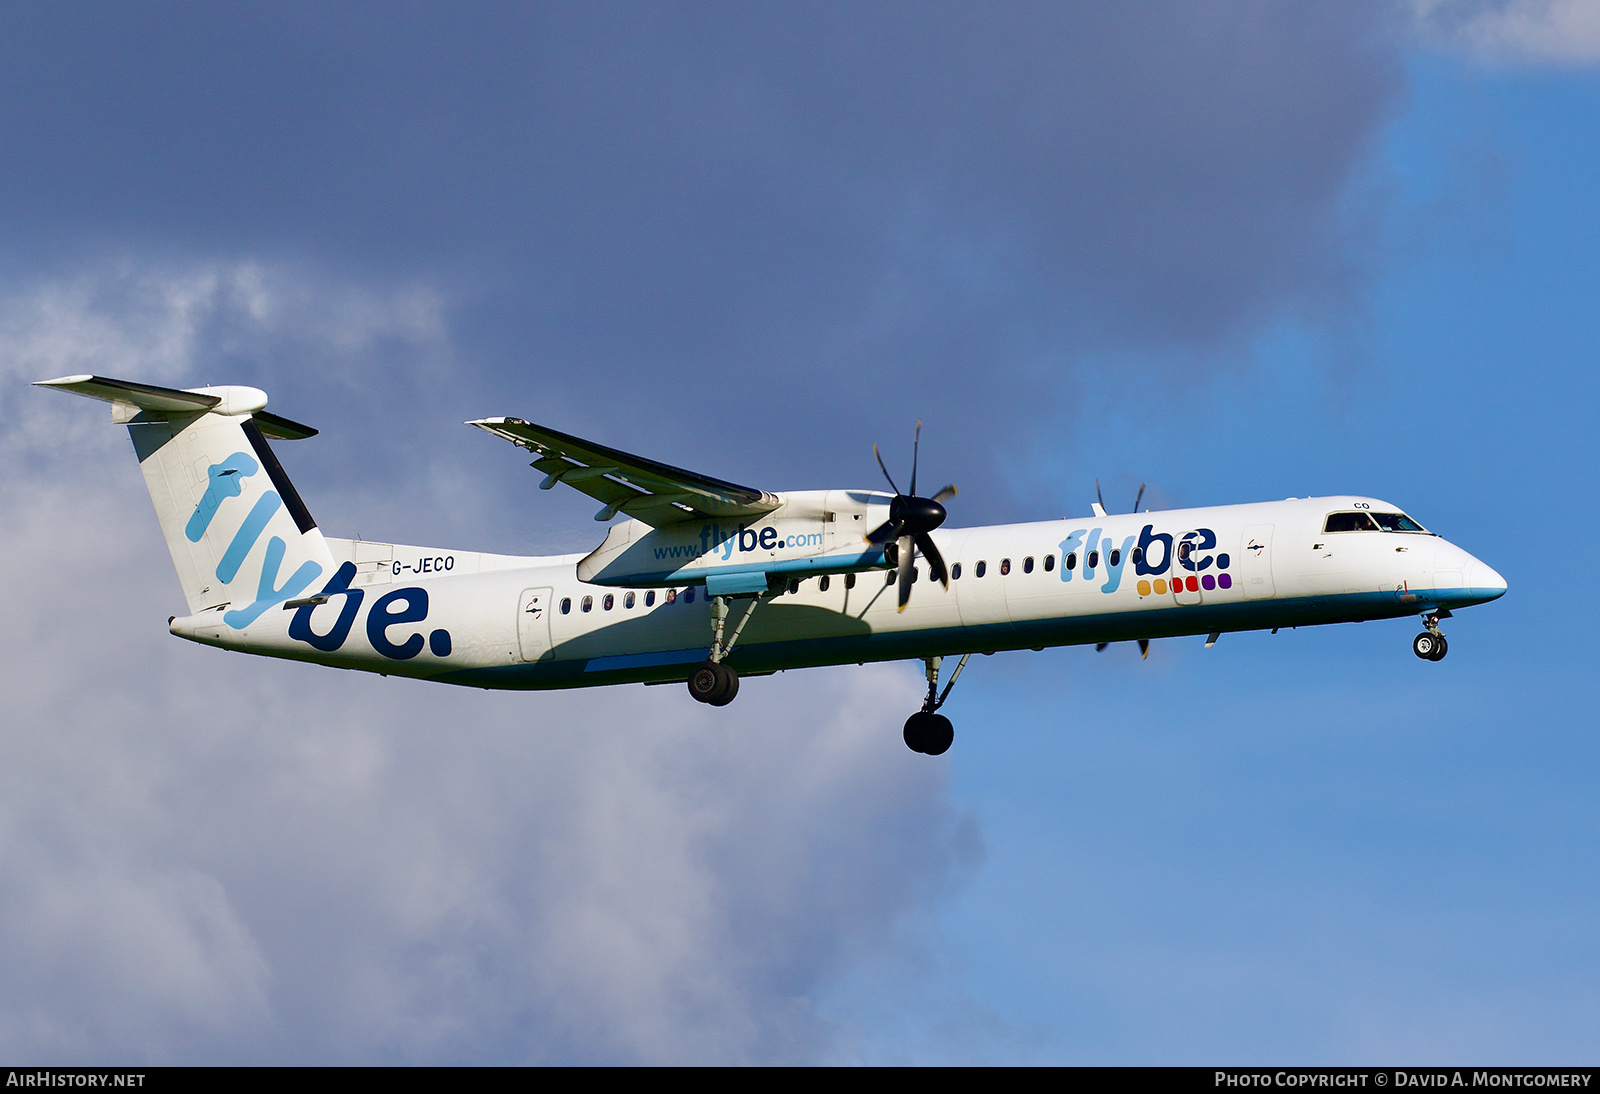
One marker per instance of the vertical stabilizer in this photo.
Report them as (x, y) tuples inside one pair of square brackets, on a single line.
[(240, 537)]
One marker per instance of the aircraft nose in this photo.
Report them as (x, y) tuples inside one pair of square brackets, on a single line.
[(1484, 583)]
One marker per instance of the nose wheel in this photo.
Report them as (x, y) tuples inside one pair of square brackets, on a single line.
[(1430, 645)]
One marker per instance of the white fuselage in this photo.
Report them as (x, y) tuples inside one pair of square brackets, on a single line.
[(500, 621)]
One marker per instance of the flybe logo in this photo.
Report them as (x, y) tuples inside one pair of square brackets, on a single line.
[(717, 541), (391, 610), (226, 480), (1163, 562), (388, 615)]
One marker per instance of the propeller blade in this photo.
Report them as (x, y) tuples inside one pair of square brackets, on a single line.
[(1138, 499), (884, 469), (916, 443), (946, 494), (883, 533), (908, 567), (1144, 648), (936, 568)]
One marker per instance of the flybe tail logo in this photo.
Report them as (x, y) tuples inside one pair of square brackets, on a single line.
[(387, 619), (721, 542), (1163, 562), (226, 480)]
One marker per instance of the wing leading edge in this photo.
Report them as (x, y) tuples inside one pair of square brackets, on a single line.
[(655, 493)]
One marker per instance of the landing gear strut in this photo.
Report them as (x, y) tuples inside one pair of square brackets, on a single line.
[(927, 731), (1430, 644), (713, 681)]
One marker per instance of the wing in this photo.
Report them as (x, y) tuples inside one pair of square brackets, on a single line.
[(644, 489)]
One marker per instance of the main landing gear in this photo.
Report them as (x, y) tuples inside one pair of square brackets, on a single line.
[(713, 681), (927, 731), (1430, 644)]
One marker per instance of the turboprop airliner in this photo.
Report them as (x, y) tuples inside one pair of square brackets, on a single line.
[(703, 581)]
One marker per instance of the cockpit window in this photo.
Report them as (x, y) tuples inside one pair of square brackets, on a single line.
[(1397, 522), (1349, 522)]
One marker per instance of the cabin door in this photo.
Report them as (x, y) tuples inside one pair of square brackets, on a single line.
[(1255, 562), (533, 623)]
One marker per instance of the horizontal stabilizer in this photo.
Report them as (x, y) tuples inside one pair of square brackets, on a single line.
[(143, 396), (281, 428), (233, 400)]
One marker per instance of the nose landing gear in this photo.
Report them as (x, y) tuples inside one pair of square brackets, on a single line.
[(927, 731), (1430, 645)]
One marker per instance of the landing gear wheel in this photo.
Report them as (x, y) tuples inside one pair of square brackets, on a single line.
[(1429, 647), (928, 733), (714, 683)]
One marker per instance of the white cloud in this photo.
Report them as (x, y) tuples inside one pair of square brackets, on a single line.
[(205, 856), (1559, 32)]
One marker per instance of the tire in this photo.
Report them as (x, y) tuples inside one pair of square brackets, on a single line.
[(1441, 647), (1424, 645), (730, 687), (706, 682), (941, 735), (917, 730)]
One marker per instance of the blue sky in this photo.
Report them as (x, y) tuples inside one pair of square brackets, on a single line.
[(1235, 251)]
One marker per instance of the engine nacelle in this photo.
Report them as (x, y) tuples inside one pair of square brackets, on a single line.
[(813, 532)]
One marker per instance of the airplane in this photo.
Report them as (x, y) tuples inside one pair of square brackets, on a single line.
[(706, 581)]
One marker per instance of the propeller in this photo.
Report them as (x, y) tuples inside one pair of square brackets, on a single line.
[(1144, 648), (1100, 501), (910, 520)]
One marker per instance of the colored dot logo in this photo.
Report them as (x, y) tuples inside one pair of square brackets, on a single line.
[(1179, 584)]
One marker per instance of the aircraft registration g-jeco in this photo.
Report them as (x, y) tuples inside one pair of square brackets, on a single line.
[(706, 580)]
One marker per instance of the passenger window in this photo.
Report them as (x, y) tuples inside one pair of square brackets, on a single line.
[(627, 600), (609, 602), (1027, 565), (955, 572), (849, 581), (1093, 560), (822, 584), (983, 568), (1138, 555), (688, 595), (1072, 562), (888, 578), (566, 605), (588, 603), (650, 599), (1116, 556), (794, 587), (672, 596), (1049, 563), (1005, 566), (1349, 522)]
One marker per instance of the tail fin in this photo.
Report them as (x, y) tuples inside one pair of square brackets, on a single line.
[(219, 492)]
